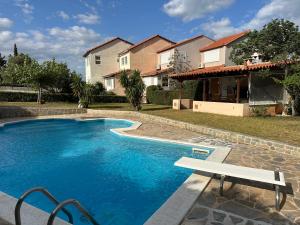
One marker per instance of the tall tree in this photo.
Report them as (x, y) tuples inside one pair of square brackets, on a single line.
[(15, 50), (2, 61), (134, 88), (278, 42), (178, 63)]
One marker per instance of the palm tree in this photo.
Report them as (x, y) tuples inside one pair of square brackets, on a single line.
[(134, 88)]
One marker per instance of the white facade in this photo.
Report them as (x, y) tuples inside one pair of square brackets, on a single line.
[(88, 73)]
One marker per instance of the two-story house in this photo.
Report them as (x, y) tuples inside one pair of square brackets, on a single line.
[(141, 56), (104, 59), (189, 49), (233, 89)]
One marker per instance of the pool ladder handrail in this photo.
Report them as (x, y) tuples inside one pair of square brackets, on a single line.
[(47, 194), (59, 206), (77, 205)]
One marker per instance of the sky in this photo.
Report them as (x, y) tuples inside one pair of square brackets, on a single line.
[(65, 29)]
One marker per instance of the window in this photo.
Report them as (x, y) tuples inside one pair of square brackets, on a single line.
[(212, 56), (109, 84), (98, 59), (124, 61)]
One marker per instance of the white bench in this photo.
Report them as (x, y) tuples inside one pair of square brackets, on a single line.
[(275, 178)]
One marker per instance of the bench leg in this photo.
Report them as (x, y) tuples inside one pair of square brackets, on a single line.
[(277, 197), (222, 184)]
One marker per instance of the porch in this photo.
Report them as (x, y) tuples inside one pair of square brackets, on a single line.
[(233, 90)]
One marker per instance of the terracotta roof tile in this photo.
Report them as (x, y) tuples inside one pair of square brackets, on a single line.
[(182, 43), (225, 69), (105, 43), (154, 73), (224, 41)]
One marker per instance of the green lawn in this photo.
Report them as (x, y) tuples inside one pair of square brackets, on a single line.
[(46, 105), (285, 129)]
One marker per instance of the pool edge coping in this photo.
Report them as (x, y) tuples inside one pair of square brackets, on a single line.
[(175, 208)]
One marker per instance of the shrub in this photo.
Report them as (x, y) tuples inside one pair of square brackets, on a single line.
[(191, 90), (259, 111), (57, 97)]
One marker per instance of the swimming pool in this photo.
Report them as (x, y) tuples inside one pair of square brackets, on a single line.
[(120, 180)]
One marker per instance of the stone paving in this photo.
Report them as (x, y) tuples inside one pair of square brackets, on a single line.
[(253, 203)]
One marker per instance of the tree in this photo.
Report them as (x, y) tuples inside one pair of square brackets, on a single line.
[(39, 78), (15, 50), (292, 85), (14, 71), (2, 61), (278, 42), (82, 90), (60, 73), (178, 63), (98, 88), (134, 88)]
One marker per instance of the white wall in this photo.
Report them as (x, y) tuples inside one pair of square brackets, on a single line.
[(148, 81), (88, 74)]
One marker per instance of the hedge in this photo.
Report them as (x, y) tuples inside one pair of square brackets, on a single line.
[(191, 90), (56, 97)]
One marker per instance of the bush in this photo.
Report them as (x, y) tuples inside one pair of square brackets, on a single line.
[(191, 90), (31, 97), (57, 97), (259, 111)]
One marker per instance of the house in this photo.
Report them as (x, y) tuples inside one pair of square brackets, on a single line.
[(141, 56), (233, 89), (104, 59), (187, 48)]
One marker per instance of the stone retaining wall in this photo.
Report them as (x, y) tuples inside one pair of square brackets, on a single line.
[(15, 111), (218, 133)]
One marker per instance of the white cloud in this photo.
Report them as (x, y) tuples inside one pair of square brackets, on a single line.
[(26, 8), (88, 18), (287, 9), (65, 44), (189, 10), (5, 23), (220, 28), (63, 15)]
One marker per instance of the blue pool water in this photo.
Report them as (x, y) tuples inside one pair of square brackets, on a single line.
[(120, 180)]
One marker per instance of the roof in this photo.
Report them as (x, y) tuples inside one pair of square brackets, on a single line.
[(218, 70), (146, 40), (105, 43), (182, 43), (224, 41), (154, 73), (115, 73)]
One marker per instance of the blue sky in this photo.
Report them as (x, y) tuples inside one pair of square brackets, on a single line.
[(65, 29)]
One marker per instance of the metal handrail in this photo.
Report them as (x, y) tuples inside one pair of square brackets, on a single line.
[(47, 194), (74, 203)]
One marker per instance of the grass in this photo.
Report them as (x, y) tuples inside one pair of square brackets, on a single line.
[(127, 107), (46, 105), (284, 129)]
